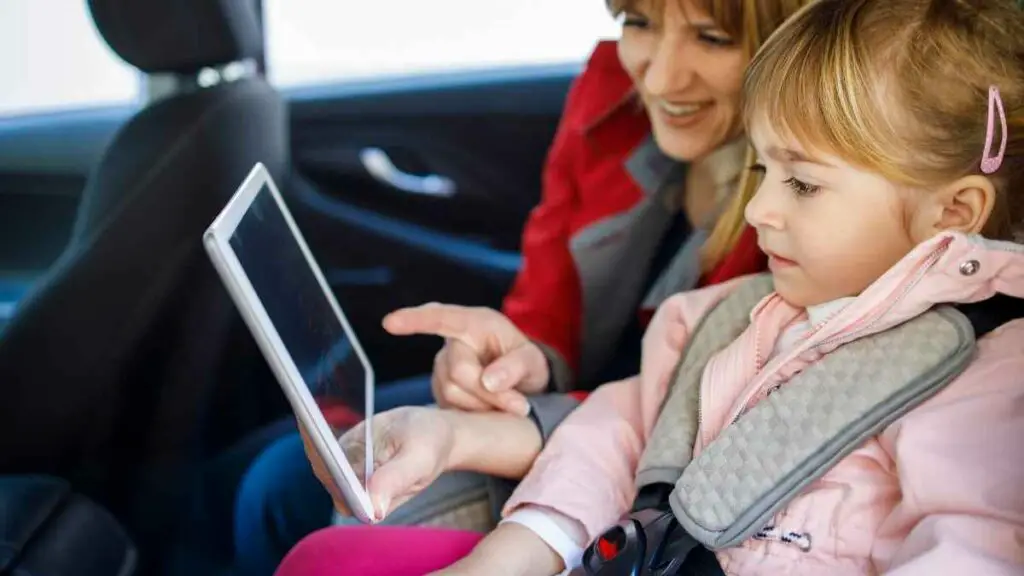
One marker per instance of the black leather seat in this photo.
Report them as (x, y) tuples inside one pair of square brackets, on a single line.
[(48, 530), (112, 368)]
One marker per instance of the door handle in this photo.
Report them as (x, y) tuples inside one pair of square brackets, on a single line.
[(379, 165)]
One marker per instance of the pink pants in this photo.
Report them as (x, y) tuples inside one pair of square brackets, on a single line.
[(377, 551)]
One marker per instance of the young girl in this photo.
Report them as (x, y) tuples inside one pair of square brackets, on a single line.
[(890, 135)]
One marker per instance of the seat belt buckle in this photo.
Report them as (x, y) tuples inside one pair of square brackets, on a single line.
[(638, 545)]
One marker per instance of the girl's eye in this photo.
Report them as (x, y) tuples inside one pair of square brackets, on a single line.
[(801, 188), (756, 168), (716, 40), (635, 21)]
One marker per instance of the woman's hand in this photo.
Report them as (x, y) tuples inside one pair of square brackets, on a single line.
[(412, 446), (486, 363)]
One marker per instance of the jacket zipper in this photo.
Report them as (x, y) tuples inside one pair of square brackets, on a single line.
[(850, 335)]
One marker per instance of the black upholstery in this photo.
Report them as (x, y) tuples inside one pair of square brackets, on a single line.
[(181, 36), (50, 530), (115, 364), (987, 315)]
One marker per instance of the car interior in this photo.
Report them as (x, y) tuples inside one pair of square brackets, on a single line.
[(127, 371)]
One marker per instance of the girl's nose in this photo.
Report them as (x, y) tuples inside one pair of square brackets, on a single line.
[(763, 209)]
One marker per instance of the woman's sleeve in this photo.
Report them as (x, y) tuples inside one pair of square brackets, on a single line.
[(545, 300)]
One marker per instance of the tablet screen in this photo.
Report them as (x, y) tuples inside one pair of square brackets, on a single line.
[(304, 319)]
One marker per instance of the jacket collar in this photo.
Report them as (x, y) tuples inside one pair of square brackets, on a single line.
[(614, 93), (652, 169), (952, 268)]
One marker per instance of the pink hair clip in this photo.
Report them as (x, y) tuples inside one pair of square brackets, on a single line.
[(989, 163)]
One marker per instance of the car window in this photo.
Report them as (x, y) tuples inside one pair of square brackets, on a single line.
[(321, 41), (53, 59)]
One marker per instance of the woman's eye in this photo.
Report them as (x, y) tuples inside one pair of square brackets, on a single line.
[(757, 168), (801, 188), (716, 40)]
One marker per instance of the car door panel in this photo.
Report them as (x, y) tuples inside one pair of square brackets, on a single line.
[(382, 247)]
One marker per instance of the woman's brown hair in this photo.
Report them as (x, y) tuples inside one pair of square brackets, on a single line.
[(900, 88), (751, 22)]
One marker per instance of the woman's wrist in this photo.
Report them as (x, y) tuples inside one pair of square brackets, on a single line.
[(493, 443)]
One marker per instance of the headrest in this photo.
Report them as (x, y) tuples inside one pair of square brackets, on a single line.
[(181, 36)]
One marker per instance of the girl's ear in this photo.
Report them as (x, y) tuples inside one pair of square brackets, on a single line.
[(964, 205)]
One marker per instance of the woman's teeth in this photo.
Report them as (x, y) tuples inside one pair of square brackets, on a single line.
[(681, 109)]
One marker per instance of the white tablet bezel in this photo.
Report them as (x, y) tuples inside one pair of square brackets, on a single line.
[(216, 240)]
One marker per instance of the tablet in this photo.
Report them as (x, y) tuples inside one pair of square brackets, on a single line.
[(288, 306)]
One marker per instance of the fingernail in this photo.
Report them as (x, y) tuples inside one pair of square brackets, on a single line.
[(519, 406), (382, 508), (493, 381)]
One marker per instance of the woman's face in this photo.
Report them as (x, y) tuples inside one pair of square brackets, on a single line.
[(689, 73)]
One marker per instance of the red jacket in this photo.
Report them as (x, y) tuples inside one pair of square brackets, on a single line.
[(584, 181)]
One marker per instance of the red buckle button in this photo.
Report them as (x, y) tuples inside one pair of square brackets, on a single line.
[(611, 544)]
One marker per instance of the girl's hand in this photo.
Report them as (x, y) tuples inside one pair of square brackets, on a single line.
[(510, 550)]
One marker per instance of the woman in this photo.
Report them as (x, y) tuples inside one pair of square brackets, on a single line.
[(639, 202), (685, 62)]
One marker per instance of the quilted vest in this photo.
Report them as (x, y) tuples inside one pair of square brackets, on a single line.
[(794, 436)]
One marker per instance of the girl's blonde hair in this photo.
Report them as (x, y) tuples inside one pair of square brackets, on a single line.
[(751, 22), (900, 88)]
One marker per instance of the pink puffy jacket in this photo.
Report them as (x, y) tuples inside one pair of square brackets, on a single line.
[(941, 491)]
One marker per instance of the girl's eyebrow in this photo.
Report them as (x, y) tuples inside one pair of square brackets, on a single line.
[(795, 156)]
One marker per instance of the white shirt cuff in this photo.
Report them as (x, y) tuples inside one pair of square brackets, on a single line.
[(543, 525)]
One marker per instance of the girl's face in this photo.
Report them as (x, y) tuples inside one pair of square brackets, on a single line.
[(688, 72), (829, 229)]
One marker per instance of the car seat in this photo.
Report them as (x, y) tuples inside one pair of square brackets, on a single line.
[(114, 365)]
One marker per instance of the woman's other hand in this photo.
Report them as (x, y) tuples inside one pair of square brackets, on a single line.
[(487, 363), (412, 447)]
